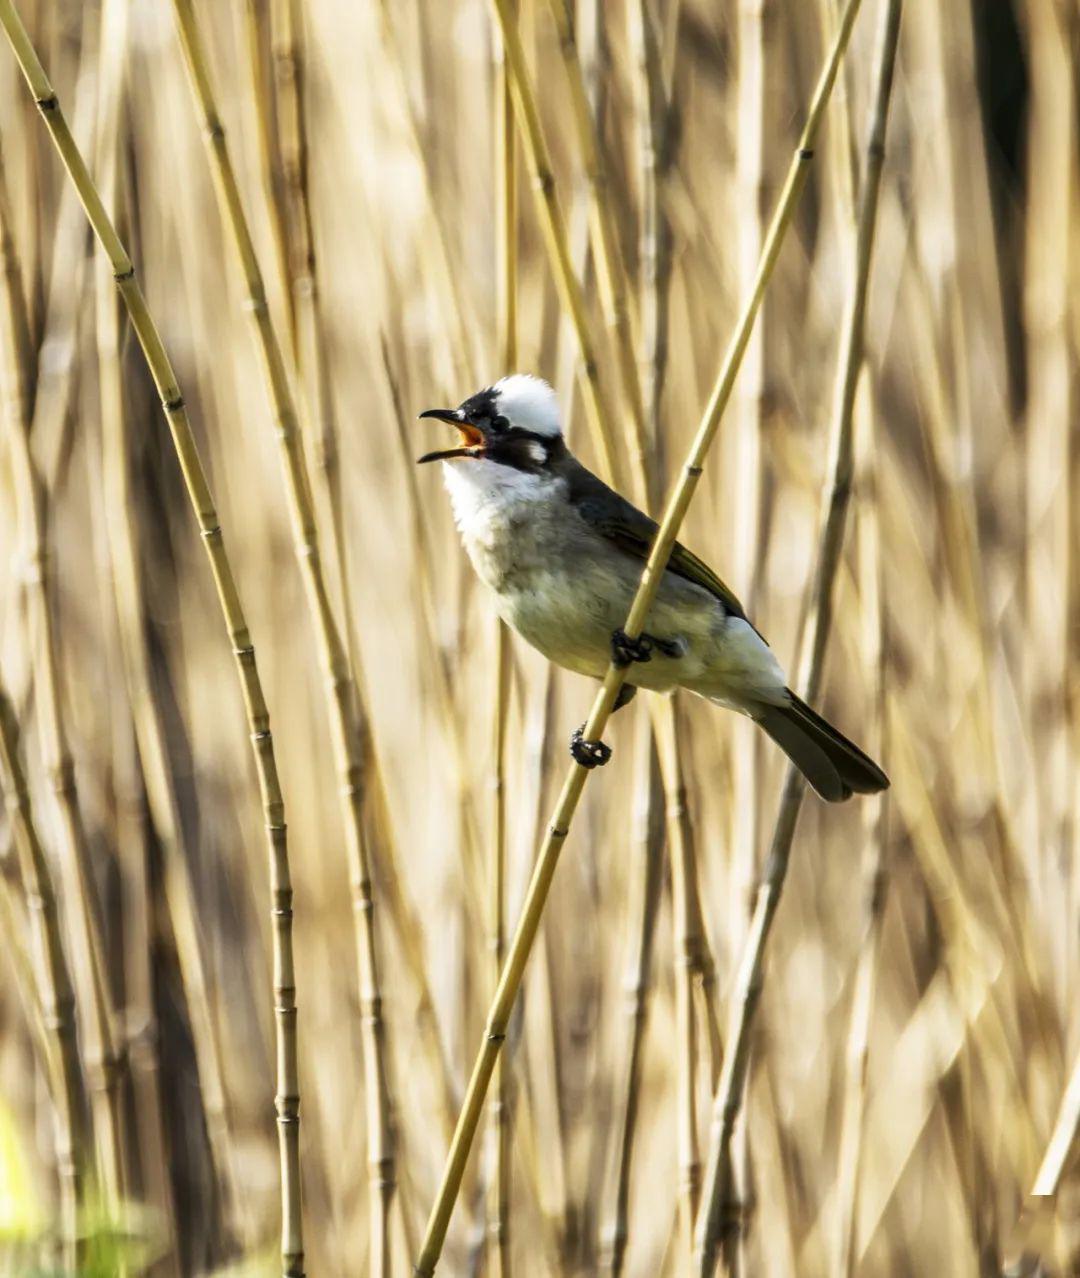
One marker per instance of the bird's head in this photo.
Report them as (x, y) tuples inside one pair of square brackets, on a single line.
[(514, 423)]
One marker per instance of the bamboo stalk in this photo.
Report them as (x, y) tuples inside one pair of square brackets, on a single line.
[(615, 298), (105, 1065), (554, 231), (646, 882), (126, 583), (339, 689), (55, 991), (303, 287), (748, 986), (287, 1099), (506, 239), (570, 794)]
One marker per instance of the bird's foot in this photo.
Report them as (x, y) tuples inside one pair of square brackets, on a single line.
[(626, 651), (590, 754)]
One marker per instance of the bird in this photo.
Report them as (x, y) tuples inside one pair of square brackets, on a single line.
[(563, 554)]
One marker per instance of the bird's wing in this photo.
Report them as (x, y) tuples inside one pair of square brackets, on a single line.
[(632, 531)]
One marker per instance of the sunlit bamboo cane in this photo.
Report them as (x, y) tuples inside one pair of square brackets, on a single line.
[(258, 717), (574, 783), (340, 694), (748, 987)]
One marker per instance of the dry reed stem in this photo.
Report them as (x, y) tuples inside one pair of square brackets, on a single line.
[(554, 230), (258, 717), (105, 1063), (436, 259), (853, 1121), (570, 794), (499, 1250), (302, 287), (644, 905), (338, 683), (748, 987), (603, 237), (54, 991), (126, 584)]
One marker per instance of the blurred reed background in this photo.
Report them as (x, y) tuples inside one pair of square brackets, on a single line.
[(912, 1090)]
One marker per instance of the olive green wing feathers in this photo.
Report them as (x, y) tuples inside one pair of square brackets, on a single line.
[(632, 531)]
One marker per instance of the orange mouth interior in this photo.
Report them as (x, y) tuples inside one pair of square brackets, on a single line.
[(471, 436)]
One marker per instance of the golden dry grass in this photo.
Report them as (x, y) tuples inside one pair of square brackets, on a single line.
[(908, 1107)]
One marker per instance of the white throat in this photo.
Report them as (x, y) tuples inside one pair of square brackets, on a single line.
[(484, 492)]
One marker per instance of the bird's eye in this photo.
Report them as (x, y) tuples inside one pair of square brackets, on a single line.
[(499, 424)]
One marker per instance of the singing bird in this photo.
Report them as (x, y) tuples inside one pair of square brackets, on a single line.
[(563, 554)]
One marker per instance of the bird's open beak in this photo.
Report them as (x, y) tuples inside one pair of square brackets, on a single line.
[(472, 437)]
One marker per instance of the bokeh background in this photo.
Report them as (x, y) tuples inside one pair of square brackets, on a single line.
[(909, 1086)]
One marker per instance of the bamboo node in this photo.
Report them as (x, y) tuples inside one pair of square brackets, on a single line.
[(806, 153), (121, 277), (496, 1039), (45, 105), (173, 405), (694, 471), (556, 833), (246, 653)]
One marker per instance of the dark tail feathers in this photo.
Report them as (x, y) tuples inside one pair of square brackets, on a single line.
[(833, 765)]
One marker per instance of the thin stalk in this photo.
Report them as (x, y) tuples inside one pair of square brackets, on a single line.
[(866, 971), (303, 287), (55, 990), (728, 1097), (338, 682), (104, 1063), (122, 535), (239, 637), (646, 866), (574, 783), (554, 231), (506, 227), (615, 299)]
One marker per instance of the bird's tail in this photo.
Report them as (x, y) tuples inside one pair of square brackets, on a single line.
[(833, 765)]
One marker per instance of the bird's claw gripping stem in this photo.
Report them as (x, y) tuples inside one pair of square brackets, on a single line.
[(626, 651), (590, 754)]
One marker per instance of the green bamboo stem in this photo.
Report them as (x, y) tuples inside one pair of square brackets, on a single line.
[(748, 986), (554, 231), (55, 990), (239, 637), (338, 682), (105, 1066), (570, 794)]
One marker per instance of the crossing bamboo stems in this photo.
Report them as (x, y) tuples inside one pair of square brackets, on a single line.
[(105, 1066), (554, 229), (748, 986), (574, 783), (239, 637), (338, 683), (55, 990)]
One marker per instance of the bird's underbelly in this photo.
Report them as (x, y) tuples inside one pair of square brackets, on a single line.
[(570, 619), (569, 614)]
